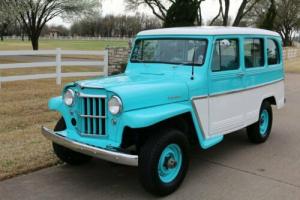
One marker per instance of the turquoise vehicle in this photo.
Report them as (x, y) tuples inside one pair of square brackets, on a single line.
[(182, 87)]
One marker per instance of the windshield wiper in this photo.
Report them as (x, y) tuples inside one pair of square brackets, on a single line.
[(138, 60), (185, 63)]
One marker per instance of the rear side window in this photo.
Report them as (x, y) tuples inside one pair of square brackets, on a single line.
[(254, 53), (273, 52), (225, 55)]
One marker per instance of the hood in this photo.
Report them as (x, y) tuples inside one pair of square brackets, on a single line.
[(142, 90)]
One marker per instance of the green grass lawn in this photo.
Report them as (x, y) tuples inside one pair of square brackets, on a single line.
[(63, 44)]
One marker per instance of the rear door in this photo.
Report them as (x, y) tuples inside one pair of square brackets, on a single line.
[(226, 110)]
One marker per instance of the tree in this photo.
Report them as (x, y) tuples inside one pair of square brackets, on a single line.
[(34, 14), (224, 5), (223, 12), (288, 19), (5, 19), (161, 9), (282, 16), (268, 19), (262, 15), (181, 13), (114, 26)]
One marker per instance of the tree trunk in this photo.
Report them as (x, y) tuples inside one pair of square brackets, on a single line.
[(226, 13), (35, 42), (240, 13), (2, 38)]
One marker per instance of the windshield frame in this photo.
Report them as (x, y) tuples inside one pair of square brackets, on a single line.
[(171, 38)]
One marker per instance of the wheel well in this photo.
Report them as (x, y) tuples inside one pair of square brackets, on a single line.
[(138, 136), (271, 100)]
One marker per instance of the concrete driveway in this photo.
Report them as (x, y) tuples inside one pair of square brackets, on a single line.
[(234, 169)]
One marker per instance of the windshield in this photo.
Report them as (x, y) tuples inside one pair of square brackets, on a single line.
[(172, 51)]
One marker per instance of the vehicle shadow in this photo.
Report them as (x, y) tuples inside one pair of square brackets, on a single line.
[(100, 178)]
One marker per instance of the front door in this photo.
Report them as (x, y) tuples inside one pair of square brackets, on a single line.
[(226, 112)]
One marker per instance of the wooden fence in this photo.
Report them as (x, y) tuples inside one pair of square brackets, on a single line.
[(58, 63), (289, 53)]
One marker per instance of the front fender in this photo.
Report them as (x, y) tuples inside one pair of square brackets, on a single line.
[(150, 116), (57, 104)]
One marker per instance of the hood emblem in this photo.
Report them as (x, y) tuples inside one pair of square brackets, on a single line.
[(82, 85)]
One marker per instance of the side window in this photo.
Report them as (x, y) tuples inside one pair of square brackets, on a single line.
[(225, 55), (254, 53), (273, 52)]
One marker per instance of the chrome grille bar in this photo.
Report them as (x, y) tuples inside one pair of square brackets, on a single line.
[(92, 114)]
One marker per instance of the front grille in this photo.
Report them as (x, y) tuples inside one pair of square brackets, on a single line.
[(92, 115)]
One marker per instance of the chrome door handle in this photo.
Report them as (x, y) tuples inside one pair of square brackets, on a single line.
[(240, 74)]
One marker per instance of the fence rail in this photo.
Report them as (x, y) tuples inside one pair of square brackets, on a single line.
[(289, 53), (69, 38), (58, 63)]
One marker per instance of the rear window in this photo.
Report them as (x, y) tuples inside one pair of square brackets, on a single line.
[(254, 52), (273, 52)]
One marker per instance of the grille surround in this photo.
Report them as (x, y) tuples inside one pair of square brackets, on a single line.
[(92, 115)]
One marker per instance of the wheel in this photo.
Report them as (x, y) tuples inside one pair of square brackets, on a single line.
[(163, 162), (260, 131), (65, 154)]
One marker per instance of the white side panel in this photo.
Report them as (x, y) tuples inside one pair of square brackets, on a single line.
[(233, 111), (225, 113)]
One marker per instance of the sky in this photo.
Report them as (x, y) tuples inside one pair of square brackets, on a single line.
[(118, 7)]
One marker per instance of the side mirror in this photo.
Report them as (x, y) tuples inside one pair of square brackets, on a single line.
[(225, 43)]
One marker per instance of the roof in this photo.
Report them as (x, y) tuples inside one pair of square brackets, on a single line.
[(209, 30)]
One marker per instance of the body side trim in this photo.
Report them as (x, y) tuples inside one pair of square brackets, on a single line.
[(235, 91)]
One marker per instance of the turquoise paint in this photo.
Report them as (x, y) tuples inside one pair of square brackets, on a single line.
[(154, 92), (264, 122), (169, 174)]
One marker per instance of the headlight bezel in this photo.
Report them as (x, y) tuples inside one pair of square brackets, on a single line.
[(120, 105), (72, 93)]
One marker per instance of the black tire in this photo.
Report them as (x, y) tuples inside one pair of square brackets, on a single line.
[(150, 155), (254, 131), (65, 154)]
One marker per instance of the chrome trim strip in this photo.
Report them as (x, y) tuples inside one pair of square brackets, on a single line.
[(93, 116), (199, 97), (92, 96), (249, 88), (235, 91), (116, 157)]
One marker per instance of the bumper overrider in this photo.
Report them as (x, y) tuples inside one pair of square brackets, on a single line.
[(112, 156)]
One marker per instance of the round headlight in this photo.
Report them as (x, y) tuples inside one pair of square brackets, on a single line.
[(69, 97), (115, 105)]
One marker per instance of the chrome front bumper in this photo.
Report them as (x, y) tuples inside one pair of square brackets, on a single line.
[(112, 156)]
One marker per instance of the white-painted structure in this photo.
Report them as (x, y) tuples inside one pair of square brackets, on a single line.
[(58, 63), (208, 30), (289, 53)]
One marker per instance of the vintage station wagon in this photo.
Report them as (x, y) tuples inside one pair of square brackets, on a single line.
[(182, 86)]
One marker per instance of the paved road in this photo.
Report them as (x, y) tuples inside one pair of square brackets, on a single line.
[(234, 169)]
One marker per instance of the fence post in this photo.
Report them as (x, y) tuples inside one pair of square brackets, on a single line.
[(58, 66), (106, 62)]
